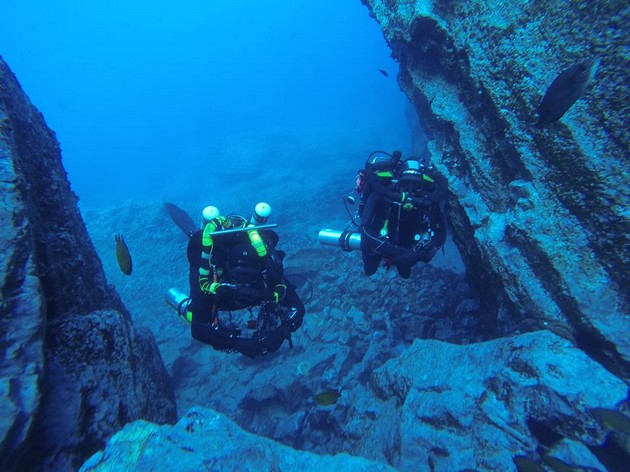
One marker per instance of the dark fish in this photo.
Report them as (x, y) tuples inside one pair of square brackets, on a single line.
[(557, 465), (482, 398), (611, 419), (565, 90), (181, 219), (523, 464), (123, 256), (370, 414), (384, 72), (328, 397)]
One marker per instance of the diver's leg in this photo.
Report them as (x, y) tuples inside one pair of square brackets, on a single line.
[(370, 263), (371, 259)]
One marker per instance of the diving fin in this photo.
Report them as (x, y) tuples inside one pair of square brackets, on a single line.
[(181, 219)]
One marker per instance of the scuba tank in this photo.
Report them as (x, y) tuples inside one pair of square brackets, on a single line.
[(346, 240), (179, 301), (208, 214), (261, 214)]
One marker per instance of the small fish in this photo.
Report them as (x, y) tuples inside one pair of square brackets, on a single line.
[(123, 256), (384, 72), (523, 464), (611, 419), (370, 414), (482, 398), (181, 219), (328, 397), (565, 90)]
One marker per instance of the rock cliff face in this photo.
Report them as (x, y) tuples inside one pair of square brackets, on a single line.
[(540, 214), (73, 369)]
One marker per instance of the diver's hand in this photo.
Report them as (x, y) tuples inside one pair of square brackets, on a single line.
[(252, 296), (223, 290), (407, 201), (270, 341), (422, 202)]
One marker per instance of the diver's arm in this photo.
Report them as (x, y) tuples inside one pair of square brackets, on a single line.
[(273, 272), (294, 304), (382, 246), (206, 277), (375, 183)]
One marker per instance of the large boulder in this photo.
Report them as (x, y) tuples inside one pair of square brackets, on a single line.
[(436, 406), (206, 440), (540, 213), (74, 370), (480, 406)]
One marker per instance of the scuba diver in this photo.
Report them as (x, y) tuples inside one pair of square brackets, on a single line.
[(401, 212), (235, 265)]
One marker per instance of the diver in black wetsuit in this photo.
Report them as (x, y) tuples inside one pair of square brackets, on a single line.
[(402, 219), (233, 268)]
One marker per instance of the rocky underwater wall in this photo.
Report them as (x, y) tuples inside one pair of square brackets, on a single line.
[(73, 369), (540, 213)]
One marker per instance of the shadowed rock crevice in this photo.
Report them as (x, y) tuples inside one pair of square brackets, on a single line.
[(584, 334), (585, 194), (75, 367)]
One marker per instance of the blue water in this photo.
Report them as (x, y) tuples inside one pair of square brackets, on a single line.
[(143, 94)]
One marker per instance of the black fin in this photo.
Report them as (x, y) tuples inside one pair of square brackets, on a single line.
[(181, 219)]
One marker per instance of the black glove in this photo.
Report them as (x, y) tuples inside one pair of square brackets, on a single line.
[(223, 290), (408, 202), (252, 296), (422, 202), (270, 341)]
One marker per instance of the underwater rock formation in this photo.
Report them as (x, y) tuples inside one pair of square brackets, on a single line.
[(540, 214), (74, 370), (437, 406), (459, 411), (198, 442)]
